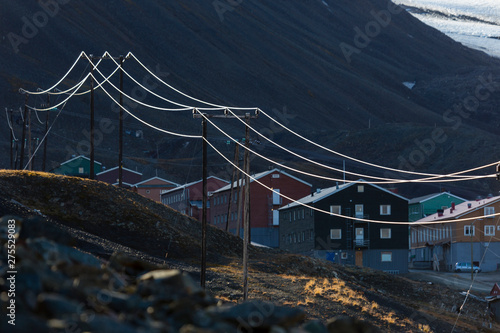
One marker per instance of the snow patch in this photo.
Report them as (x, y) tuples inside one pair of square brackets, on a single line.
[(410, 85)]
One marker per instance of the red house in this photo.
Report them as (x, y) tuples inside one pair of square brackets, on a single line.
[(152, 188), (188, 198), (110, 176), (264, 205)]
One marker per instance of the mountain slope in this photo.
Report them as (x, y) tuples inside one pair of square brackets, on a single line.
[(270, 55)]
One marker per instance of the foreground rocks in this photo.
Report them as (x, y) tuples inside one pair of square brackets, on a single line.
[(53, 287)]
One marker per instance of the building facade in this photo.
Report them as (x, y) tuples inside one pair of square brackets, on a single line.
[(111, 176), (347, 239), (188, 198), (429, 204), (78, 166), (264, 205), (441, 245), (152, 188)]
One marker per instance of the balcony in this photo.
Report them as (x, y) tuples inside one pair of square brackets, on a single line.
[(359, 243)]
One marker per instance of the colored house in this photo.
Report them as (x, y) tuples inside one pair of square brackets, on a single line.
[(264, 204), (318, 231), (152, 188), (188, 198), (111, 176), (429, 204), (467, 232), (78, 166)]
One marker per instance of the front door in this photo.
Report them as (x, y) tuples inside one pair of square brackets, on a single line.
[(359, 258), (360, 236)]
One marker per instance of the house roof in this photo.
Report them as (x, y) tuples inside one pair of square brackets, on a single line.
[(261, 175), (116, 167), (460, 210), (156, 178), (324, 193), (180, 187), (79, 157), (432, 196)]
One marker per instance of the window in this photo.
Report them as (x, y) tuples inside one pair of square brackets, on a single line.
[(148, 191), (343, 255), (359, 210), (335, 209), (385, 209), (489, 211), (361, 188), (276, 175), (489, 230), (335, 233), (276, 217), (80, 170), (468, 231), (385, 233), (276, 197), (386, 257)]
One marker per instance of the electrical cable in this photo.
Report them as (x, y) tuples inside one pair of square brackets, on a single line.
[(180, 92), (353, 173), (55, 85), (330, 178), (143, 121), (335, 214), (10, 125), (349, 157), (473, 280), (64, 101), (184, 107)]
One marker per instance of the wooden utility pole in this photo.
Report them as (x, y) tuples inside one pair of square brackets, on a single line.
[(205, 193), (120, 149), (246, 210), (236, 163), (11, 140), (92, 157), (120, 153), (46, 134), (23, 137), (205, 199)]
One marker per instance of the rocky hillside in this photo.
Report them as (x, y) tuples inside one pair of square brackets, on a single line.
[(98, 258), (336, 69)]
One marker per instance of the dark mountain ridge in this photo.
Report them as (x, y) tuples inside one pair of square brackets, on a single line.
[(336, 69)]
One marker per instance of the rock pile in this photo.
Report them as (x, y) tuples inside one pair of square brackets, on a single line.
[(57, 288)]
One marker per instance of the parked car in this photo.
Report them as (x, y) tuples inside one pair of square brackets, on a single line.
[(466, 267)]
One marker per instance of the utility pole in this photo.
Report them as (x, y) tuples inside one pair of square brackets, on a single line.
[(246, 214), (120, 149), (92, 157), (23, 137), (236, 163), (46, 134), (205, 199), (11, 139), (30, 164), (205, 193)]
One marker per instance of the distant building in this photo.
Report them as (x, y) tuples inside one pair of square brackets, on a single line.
[(429, 204), (452, 242), (152, 188), (349, 240), (78, 166), (188, 198), (264, 205), (111, 176)]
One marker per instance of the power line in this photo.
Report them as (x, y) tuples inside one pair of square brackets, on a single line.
[(388, 181), (363, 175), (339, 215)]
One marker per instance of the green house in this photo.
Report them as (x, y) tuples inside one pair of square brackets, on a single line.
[(78, 166), (429, 204)]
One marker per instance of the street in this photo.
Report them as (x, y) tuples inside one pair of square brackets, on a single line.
[(483, 282)]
